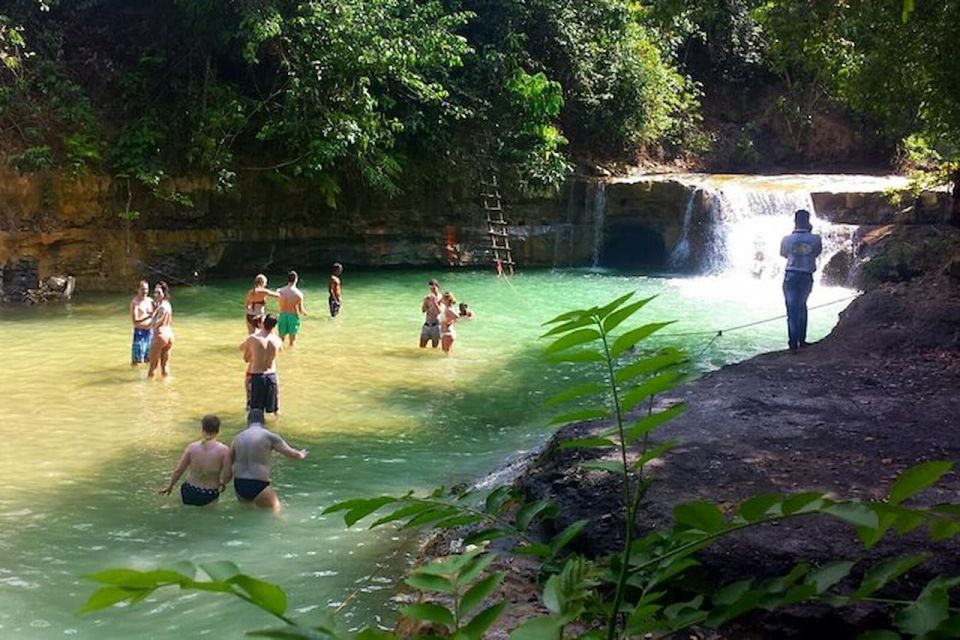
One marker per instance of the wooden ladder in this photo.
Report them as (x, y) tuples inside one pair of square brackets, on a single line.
[(496, 226)]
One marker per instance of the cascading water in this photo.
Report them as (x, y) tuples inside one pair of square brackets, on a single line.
[(748, 222), (599, 206), (680, 257)]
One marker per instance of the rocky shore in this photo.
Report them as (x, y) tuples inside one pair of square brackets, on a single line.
[(846, 415)]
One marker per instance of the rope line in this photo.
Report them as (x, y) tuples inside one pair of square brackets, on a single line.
[(167, 275), (720, 332)]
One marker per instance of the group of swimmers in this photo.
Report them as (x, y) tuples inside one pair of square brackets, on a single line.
[(211, 464)]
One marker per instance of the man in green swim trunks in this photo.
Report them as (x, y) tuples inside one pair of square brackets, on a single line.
[(291, 308)]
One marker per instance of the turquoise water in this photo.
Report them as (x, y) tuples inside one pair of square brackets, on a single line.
[(88, 441)]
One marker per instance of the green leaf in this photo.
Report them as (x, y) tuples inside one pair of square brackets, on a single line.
[(699, 515), (587, 443), (827, 575), (545, 628), (129, 578), (265, 595), (483, 621), (530, 511), (925, 614), (610, 466), (613, 320), (650, 423), (758, 507), (108, 596), (475, 596), (473, 569), (575, 323), (656, 452), (917, 478), (430, 515), (884, 572), (586, 355), (575, 392), (562, 539), (855, 513), (581, 415), (457, 521), (943, 529), (650, 387), (292, 633), (540, 550), (630, 338), (401, 513), (732, 592), (563, 317), (429, 612), (802, 502), (485, 535), (581, 336), (608, 308), (359, 508), (879, 634), (221, 570), (429, 582), (667, 358), (497, 499)]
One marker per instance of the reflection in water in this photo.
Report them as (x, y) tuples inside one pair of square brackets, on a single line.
[(88, 441)]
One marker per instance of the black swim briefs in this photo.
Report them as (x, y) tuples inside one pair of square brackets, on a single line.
[(197, 496), (249, 488)]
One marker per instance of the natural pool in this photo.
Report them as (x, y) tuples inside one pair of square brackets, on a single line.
[(88, 441)]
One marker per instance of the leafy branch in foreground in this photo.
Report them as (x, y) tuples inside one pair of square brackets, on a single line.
[(647, 587)]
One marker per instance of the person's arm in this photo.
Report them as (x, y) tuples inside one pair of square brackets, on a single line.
[(783, 246), (226, 471), (245, 347), (270, 293), (177, 472), (280, 446), (300, 310), (133, 312), (423, 305)]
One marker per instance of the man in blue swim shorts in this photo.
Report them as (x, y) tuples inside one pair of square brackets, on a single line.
[(141, 312), (250, 457)]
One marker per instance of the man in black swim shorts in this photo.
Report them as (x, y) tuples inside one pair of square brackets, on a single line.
[(250, 459)]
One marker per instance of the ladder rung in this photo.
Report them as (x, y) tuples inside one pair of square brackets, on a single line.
[(500, 234), (490, 195), (493, 207)]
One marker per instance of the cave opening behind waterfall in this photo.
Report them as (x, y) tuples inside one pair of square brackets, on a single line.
[(633, 246)]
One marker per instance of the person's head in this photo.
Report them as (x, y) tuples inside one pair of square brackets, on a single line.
[(260, 280), (143, 287), (257, 322), (254, 416), (463, 308), (162, 290), (269, 322), (210, 425), (337, 268), (801, 220), (449, 299), (434, 287), (292, 277)]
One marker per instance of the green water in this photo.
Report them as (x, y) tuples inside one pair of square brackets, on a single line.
[(88, 441)]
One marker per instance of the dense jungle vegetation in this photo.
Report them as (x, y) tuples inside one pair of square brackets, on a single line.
[(395, 94)]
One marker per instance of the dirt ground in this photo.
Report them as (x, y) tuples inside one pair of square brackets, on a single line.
[(846, 415)]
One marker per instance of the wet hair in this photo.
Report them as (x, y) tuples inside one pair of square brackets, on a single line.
[(433, 283), (254, 416), (210, 423), (801, 219), (463, 308), (337, 267), (164, 288), (292, 276), (142, 282), (269, 321), (260, 280), (447, 294)]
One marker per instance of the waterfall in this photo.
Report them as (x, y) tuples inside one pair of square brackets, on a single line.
[(680, 256), (747, 224), (598, 210)]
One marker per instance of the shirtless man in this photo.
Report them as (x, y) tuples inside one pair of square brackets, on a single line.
[(431, 324), (141, 309), (162, 323), (256, 301), (249, 460), (333, 287), (207, 460), (291, 308), (260, 353)]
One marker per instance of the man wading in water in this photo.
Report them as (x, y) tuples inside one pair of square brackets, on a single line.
[(250, 460), (431, 324), (207, 461), (291, 308), (801, 249), (141, 310), (260, 352)]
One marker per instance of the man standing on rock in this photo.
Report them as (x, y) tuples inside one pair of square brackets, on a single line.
[(291, 308), (141, 311), (801, 249)]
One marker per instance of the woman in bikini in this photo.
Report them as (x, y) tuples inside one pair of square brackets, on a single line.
[(162, 322), (448, 317), (256, 302)]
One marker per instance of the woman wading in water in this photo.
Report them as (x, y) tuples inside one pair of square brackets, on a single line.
[(256, 302), (162, 322), (449, 317)]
